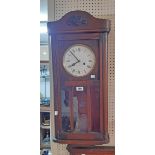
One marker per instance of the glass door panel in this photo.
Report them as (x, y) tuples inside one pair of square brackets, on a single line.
[(78, 105)]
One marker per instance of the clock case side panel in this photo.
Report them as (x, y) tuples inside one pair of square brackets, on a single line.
[(56, 79), (104, 85)]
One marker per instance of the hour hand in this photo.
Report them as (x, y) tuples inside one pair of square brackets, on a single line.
[(73, 64)]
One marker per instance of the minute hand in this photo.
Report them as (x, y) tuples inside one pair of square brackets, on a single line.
[(75, 56)]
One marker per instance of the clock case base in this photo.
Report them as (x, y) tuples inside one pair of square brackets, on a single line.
[(83, 142), (91, 150)]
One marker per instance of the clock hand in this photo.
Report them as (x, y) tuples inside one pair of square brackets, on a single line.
[(74, 56), (74, 63)]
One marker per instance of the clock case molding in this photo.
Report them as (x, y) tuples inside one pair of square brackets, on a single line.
[(91, 150), (79, 27)]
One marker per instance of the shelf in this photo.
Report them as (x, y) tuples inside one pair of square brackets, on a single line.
[(42, 146), (44, 61), (45, 108), (43, 77), (45, 127)]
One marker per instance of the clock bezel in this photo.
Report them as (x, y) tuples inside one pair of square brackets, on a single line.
[(90, 50)]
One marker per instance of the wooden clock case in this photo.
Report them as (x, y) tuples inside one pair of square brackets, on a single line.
[(80, 103)]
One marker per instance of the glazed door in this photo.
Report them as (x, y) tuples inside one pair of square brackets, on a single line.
[(80, 110)]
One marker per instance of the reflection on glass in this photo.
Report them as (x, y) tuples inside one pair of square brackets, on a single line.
[(65, 110), (69, 112), (83, 122), (75, 111), (78, 107)]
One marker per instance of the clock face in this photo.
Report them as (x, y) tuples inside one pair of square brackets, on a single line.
[(79, 60)]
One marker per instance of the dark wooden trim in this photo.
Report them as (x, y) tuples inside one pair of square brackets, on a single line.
[(101, 83), (91, 150), (45, 109), (89, 108), (44, 61), (105, 82), (81, 142), (71, 109)]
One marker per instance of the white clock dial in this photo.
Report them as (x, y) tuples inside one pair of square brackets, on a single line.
[(79, 60)]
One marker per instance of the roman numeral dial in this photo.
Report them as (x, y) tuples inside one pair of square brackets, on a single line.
[(79, 60)]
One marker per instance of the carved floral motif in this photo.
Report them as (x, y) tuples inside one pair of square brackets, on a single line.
[(76, 20)]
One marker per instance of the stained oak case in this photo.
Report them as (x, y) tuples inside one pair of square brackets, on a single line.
[(80, 100)]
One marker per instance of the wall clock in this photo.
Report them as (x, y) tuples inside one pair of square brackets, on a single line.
[(79, 60), (79, 64)]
